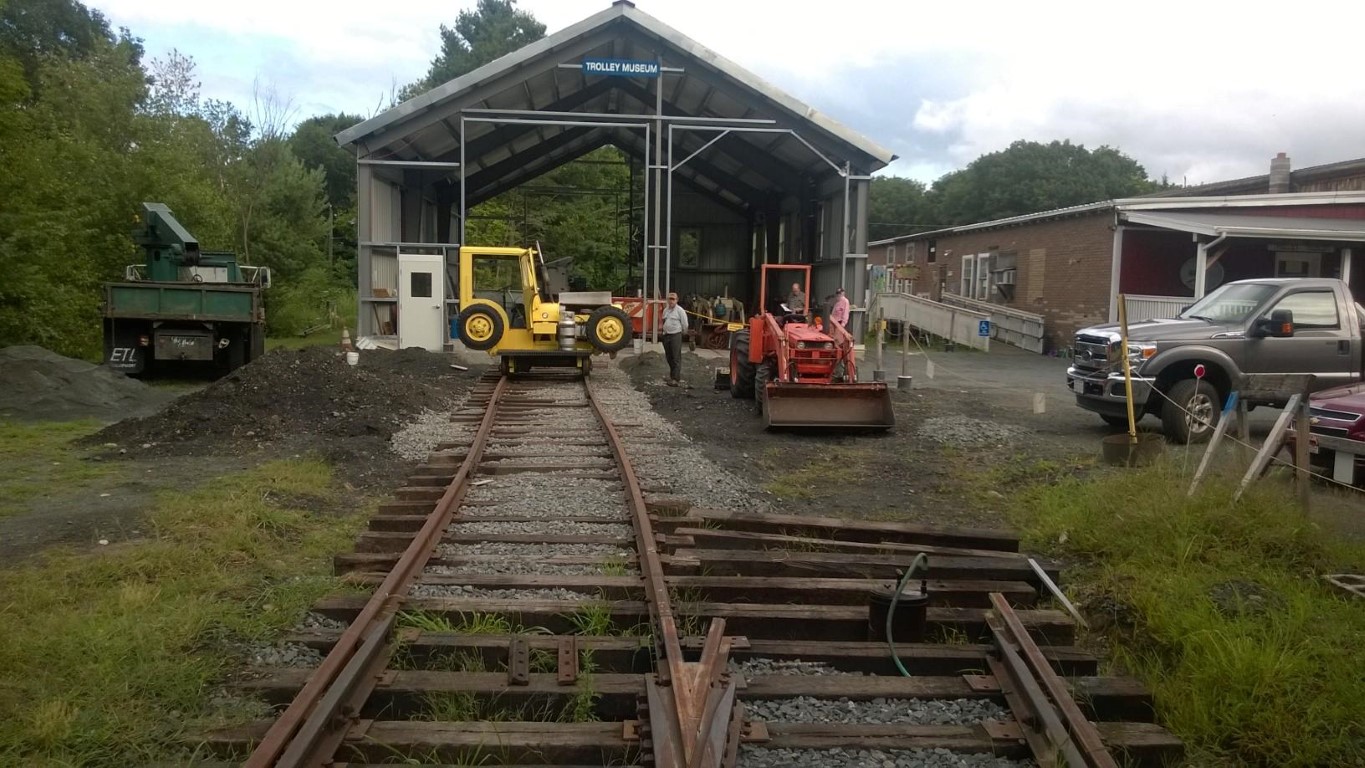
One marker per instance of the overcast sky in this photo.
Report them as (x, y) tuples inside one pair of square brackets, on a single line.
[(1199, 91)]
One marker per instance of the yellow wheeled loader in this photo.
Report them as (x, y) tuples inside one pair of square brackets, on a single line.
[(507, 310)]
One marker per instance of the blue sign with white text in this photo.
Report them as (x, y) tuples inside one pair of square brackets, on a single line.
[(983, 328), (620, 68)]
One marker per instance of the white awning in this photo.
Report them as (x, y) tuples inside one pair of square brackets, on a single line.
[(1264, 227)]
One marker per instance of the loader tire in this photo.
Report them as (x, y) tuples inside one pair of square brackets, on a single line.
[(608, 329), (763, 374), (480, 327), (741, 370)]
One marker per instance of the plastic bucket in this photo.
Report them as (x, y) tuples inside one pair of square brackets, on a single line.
[(352, 358), (908, 626)]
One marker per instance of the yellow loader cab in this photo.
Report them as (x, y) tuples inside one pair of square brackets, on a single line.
[(506, 309)]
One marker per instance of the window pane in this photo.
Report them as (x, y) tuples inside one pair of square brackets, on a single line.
[(1312, 309), (421, 285)]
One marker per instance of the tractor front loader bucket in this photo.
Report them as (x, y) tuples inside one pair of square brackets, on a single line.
[(861, 405)]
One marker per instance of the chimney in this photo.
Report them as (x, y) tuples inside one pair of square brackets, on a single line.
[(1279, 174)]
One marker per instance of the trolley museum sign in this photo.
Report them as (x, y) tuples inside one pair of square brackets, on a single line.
[(620, 68)]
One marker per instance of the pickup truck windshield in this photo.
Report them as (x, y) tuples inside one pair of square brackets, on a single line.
[(1230, 304)]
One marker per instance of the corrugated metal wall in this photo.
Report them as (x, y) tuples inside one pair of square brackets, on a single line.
[(722, 265)]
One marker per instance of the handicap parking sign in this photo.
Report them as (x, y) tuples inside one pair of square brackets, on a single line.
[(983, 328)]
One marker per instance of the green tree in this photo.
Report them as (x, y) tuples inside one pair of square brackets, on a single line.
[(34, 30), (492, 30), (1029, 177), (898, 206)]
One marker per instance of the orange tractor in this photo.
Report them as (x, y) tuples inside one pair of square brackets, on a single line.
[(800, 373)]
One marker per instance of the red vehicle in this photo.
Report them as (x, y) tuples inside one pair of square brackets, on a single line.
[(799, 373), (1338, 413)]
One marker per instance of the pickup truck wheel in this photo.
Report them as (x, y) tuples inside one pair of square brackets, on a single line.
[(1193, 412)]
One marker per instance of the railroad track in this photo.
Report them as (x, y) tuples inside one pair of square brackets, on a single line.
[(525, 599)]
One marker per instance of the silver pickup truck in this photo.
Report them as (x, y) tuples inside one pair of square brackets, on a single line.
[(1183, 369)]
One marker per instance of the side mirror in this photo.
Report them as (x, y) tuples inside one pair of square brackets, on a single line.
[(1280, 325)]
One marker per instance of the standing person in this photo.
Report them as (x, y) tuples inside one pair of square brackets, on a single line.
[(674, 326), (839, 313)]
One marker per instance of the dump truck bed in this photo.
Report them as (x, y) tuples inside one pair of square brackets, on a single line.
[(209, 302)]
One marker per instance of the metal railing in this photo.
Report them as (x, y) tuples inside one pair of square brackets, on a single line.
[(1011, 326), (959, 325)]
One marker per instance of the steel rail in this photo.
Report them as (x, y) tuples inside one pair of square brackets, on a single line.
[(686, 712), (1069, 730), (307, 732)]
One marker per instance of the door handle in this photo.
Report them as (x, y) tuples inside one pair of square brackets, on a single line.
[(1344, 347)]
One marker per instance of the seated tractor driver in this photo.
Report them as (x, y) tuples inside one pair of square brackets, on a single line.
[(796, 300)]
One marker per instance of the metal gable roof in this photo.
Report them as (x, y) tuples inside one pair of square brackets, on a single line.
[(428, 126)]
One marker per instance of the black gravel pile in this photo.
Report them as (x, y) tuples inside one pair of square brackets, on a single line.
[(38, 384), (299, 396)]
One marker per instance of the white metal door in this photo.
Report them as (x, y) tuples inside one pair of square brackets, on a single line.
[(421, 298)]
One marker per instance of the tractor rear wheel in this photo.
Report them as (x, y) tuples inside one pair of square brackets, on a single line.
[(480, 327), (608, 329), (741, 370)]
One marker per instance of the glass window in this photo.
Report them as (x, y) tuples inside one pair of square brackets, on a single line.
[(689, 247), (1312, 309), (1229, 303), (421, 285)]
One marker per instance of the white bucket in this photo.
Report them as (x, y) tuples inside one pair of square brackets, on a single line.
[(352, 358)]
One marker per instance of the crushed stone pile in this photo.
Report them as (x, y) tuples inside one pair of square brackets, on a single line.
[(36, 383), (306, 395)]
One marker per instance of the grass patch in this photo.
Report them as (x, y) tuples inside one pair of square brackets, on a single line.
[(822, 477), (40, 462), (111, 657), (1220, 609), (323, 338)]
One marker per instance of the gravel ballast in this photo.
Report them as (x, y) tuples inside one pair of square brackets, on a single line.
[(479, 593), (758, 667), (664, 457), (804, 709), (751, 756)]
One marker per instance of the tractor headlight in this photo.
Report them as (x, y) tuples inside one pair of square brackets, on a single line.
[(800, 345)]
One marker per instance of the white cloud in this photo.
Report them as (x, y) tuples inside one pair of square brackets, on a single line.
[(1202, 90)]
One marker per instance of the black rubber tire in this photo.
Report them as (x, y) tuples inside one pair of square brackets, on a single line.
[(763, 374), (481, 314), (741, 370), (1118, 422), (1192, 395), (608, 329)]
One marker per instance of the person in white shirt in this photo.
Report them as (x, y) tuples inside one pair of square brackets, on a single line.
[(674, 320)]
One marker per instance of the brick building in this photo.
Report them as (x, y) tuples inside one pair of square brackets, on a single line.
[(1161, 251)]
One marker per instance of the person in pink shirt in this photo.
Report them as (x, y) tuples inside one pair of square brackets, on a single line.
[(839, 312)]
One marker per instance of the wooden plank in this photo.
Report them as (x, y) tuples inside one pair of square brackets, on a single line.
[(405, 692), (466, 743), (397, 541), (716, 539), (1141, 744), (776, 589), (404, 523), (874, 657), (796, 622), (1272, 444), (722, 562), (1214, 442), (362, 562), (862, 530)]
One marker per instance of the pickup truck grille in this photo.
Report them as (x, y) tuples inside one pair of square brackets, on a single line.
[(1324, 413), (1091, 353)]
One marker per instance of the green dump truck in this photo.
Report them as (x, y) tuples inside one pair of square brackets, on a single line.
[(183, 309)]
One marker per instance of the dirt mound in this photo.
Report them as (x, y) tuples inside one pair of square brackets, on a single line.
[(38, 384), (309, 397)]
